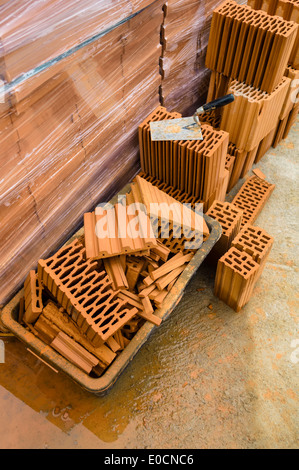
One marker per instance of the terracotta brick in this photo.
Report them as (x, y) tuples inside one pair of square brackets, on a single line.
[(193, 167), (143, 304), (63, 322), (288, 10), (235, 278), (230, 218), (33, 298), (259, 173), (218, 86), (256, 242), (177, 194), (264, 145), (293, 75), (84, 292), (240, 157), (134, 267), (74, 352), (147, 193), (252, 197), (249, 45), (116, 273), (175, 262), (164, 281), (262, 111), (229, 164)]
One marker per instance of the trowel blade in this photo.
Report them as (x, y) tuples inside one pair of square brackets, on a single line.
[(176, 129)]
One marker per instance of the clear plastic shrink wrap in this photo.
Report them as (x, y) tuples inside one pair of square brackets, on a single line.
[(69, 132), (78, 77), (185, 35)]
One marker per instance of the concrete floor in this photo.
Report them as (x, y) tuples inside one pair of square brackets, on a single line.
[(208, 377)]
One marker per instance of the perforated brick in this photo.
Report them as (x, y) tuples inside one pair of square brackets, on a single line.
[(84, 291), (253, 113), (252, 197), (235, 278), (230, 219), (249, 45), (254, 241), (194, 167)]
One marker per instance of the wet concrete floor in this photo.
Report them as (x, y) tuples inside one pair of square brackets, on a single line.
[(207, 378)]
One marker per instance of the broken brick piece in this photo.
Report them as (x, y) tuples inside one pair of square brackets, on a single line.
[(143, 305), (74, 352), (134, 267), (115, 271), (33, 298)]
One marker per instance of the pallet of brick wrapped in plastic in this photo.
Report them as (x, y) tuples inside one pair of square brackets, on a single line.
[(184, 39), (89, 307), (74, 78)]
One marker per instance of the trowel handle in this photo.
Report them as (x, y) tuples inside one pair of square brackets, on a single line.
[(218, 103)]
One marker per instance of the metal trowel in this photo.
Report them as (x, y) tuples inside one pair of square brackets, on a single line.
[(187, 128)]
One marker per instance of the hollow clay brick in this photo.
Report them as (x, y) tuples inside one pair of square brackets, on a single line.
[(256, 242), (193, 167), (167, 222), (253, 113), (230, 218), (264, 145), (249, 45), (252, 197), (288, 10), (235, 278), (84, 292)]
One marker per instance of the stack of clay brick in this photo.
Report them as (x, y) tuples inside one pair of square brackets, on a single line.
[(90, 298), (248, 54), (243, 248), (197, 168), (288, 10)]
